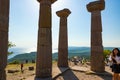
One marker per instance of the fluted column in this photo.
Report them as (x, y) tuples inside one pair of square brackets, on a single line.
[(4, 26), (44, 46), (97, 60), (63, 38)]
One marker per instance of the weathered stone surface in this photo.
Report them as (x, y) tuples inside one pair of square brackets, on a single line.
[(45, 13), (46, 1), (63, 13), (2, 74), (44, 46), (4, 25), (13, 71), (63, 38), (97, 59), (96, 5), (44, 53), (31, 68)]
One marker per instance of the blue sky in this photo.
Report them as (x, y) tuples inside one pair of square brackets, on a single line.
[(23, 26)]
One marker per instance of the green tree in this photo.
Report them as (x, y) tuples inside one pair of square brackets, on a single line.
[(106, 53), (10, 45)]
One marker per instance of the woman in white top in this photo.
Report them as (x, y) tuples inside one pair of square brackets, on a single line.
[(115, 58)]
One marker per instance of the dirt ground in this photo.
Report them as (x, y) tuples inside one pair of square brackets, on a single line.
[(78, 75), (19, 75), (75, 73), (70, 74)]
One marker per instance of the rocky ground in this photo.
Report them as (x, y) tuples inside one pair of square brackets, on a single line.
[(79, 75), (75, 72)]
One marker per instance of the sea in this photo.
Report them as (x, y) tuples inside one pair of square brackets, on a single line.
[(71, 49)]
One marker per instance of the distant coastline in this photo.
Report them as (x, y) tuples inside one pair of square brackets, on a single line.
[(19, 53), (25, 50)]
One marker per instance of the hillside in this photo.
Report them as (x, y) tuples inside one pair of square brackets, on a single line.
[(22, 57), (72, 51)]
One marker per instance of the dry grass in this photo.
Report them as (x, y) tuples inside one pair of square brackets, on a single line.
[(20, 75), (17, 66), (26, 73), (68, 75)]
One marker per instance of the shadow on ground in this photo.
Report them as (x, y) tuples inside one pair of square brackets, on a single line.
[(70, 74), (105, 75), (66, 75)]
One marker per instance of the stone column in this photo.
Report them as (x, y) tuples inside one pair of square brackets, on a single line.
[(44, 46), (63, 38), (97, 60), (4, 26)]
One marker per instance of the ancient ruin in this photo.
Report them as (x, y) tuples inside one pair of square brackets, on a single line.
[(63, 38), (4, 28), (44, 47), (97, 59)]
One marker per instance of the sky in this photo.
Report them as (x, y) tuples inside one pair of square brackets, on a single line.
[(23, 24)]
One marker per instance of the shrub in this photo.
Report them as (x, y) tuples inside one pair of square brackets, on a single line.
[(14, 62)]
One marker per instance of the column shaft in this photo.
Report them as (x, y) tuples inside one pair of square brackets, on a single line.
[(96, 43), (4, 25), (44, 46), (97, 59), (63, 43), (63, 38), (45, 14)]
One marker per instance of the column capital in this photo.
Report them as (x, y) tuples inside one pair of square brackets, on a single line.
[(52, 1), (63, 13), (96, 6)]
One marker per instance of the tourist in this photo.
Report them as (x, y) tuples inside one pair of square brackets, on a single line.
[(26, 61), (115, 58), (21, 65)]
